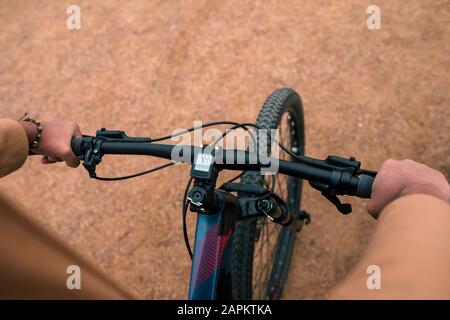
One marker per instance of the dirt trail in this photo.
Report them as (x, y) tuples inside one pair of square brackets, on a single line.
[(149, 67)]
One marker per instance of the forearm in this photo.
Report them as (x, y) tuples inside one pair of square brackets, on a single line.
[(13, 146), (411, 245)]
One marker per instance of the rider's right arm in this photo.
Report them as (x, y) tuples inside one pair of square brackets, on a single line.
[(409, 254), (13, 146)]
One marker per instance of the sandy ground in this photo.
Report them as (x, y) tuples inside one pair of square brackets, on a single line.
[(149, 67)]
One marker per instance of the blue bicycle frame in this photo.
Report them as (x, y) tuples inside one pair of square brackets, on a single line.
[(211, 262)]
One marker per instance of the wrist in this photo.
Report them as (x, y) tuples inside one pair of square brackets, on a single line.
[(33, 134)]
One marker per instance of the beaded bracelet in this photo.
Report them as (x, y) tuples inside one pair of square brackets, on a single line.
[(35, 143)]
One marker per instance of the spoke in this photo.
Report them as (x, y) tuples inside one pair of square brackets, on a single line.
[(262, 244)]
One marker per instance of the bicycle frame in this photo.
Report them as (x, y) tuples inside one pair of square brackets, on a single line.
[(211, 262)]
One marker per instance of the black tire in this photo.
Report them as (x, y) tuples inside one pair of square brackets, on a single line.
[(247, 233)]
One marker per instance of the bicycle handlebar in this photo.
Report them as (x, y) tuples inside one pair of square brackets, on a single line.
[(340, 180)]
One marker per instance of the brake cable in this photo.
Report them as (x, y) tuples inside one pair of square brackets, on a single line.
[(208, 124)]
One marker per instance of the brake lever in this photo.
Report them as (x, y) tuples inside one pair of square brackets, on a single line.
[(330, 192), (330, 195), (92, 158), (344, 208)]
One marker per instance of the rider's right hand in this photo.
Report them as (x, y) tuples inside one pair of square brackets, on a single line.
[(397, 178)]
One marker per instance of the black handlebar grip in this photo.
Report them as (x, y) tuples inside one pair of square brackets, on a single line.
[(364, 188), (76, 146)]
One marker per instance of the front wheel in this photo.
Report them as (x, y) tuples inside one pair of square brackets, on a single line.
[(261, 249)]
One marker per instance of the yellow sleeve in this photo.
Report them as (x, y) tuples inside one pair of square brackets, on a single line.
[(13, 146)]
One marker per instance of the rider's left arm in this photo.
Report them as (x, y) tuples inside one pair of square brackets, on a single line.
[(13, 146), (54, 143)]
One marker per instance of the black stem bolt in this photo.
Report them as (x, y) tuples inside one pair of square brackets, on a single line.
[(197, 196), (264, 205)]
